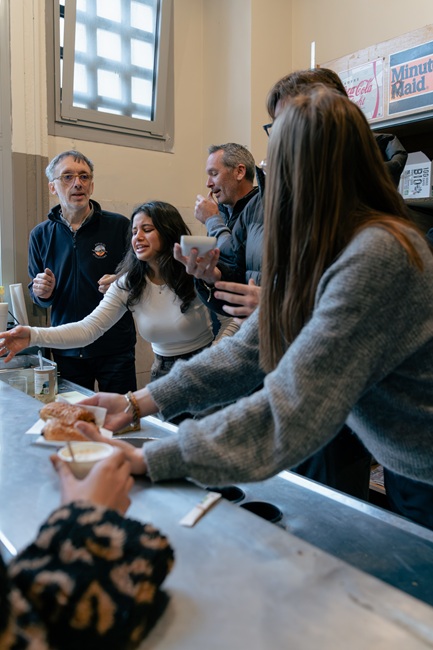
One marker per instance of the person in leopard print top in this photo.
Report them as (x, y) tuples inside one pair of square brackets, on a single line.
[(91, 579)]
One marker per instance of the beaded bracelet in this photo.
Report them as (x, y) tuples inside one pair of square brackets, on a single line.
[(133, 406)]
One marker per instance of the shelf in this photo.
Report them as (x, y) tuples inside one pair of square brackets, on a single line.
[(406, 125), (421, 204)]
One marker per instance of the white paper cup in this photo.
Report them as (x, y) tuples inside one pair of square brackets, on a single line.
[(3, 316), (86, 454)]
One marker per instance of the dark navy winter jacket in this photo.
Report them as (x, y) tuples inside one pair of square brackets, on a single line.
[(78, 260)]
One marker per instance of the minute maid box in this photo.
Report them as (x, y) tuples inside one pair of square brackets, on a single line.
[(411, 80)]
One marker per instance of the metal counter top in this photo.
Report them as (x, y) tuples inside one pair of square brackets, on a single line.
[(241, 582)]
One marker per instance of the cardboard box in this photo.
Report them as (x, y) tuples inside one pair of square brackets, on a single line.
[(416, 179)]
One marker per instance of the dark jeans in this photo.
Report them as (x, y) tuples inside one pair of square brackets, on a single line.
[(409, 498), (343, 464), (162, 365), (114, 374)]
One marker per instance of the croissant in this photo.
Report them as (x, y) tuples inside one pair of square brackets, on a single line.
[(66, 413), (60, 419), (55, 429)]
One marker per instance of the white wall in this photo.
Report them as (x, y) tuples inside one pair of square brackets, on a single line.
[(341, 27), (123, 176), (227, 55), (247, 45)]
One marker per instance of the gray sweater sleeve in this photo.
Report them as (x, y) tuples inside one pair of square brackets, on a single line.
[(217, 376), (353, 356)]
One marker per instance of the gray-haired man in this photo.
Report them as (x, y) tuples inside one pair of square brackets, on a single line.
[(69, 253)]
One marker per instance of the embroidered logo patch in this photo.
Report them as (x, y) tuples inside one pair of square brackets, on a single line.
[(100, 251)]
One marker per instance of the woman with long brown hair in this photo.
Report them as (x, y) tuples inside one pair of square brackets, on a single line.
[(326, 183), (344, 332)]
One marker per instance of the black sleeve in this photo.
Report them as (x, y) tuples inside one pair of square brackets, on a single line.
[(92, 578)]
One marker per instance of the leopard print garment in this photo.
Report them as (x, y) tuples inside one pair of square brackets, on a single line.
[(91, 580)]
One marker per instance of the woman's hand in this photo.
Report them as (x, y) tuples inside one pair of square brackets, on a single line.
[(133, 455), (118, 413), (107, 484), (202, 268), (14, 341), (245, 296), (106, 281), (116, 418)]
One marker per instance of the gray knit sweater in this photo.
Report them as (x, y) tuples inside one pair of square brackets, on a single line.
[(365, 358)]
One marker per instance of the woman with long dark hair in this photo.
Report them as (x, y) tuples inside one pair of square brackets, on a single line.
[(154, 286)]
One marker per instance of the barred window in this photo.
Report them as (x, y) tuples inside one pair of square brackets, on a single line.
[(113, 69)]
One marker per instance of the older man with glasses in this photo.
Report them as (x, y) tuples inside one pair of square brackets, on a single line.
[(70, 255)]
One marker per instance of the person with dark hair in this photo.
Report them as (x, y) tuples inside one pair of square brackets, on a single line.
[(343, 333), (67, 588), (69, 254), (154, 287)]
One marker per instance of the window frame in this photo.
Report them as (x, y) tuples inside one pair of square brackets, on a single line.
[(65, 120)]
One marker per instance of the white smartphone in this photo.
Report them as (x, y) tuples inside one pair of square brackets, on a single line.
[(203, 244)]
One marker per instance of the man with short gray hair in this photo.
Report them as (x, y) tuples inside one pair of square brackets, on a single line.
[(230, 170), (69, 254)]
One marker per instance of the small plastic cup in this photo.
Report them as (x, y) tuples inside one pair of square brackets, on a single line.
[(20, 383), (86, 454)]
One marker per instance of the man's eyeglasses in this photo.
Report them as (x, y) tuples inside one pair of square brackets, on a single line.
[(267, 128), (68, 179)]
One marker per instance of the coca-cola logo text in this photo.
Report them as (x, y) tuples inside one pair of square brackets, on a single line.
[(362, 88)]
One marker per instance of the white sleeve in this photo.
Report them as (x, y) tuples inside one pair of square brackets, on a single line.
[(82, 333)]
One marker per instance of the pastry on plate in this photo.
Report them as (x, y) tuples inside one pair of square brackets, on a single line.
[(66, 413), (60, 418), (55, 429)]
